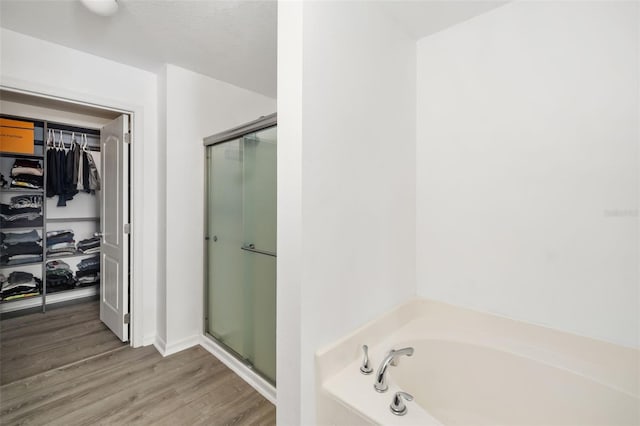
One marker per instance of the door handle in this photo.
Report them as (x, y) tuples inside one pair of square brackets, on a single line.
[(252, 248)]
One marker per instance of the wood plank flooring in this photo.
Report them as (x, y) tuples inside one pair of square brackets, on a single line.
[(34, 343), (119, 385)]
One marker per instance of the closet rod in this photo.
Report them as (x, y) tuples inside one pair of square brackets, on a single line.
[(78, 133), (68, 129), (68, 145)]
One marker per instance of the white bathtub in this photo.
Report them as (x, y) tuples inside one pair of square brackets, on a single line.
[(471, 368)]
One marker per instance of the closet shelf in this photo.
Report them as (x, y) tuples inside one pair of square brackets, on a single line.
[(19, 155), (21, 228), (24, 190), (67, 290), (73, 219), (21, 298), (5, 266), (65, 256)]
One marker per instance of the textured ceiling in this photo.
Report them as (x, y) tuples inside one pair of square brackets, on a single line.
[(232, 41)]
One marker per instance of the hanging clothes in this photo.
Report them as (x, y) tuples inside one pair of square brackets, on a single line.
[(94, 177), (75, 149), (52, 163), (70, 171), (80, 180), (89, 170), (62, 197), (69, 165), (60, 170), (85, 172)]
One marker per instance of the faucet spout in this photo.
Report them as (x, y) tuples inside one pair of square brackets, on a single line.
[(381, 377)]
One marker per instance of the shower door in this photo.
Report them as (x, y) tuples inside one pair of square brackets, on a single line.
[(241, 248)]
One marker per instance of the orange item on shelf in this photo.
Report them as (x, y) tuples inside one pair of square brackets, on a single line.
[(16, 136)]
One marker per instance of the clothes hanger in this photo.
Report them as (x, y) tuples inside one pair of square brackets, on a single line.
[(56, 144), (62, 142)]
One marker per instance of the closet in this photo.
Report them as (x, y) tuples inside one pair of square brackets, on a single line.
[(53, 221)]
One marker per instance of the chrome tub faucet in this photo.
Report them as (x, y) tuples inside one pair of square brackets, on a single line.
[(391, 359)]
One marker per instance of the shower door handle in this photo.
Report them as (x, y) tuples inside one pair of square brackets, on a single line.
[(252, 248)]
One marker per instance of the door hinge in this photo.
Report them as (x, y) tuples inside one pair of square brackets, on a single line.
[(126, 318), (127, 228), (127, 137)]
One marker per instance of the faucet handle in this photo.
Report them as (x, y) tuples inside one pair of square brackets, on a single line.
[(398, 406), (365, 368), (395, 360)]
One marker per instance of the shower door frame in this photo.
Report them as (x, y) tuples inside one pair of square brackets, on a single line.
[(240, 366)]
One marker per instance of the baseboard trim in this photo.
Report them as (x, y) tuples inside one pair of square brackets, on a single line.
[(180, 345), (172, 348), (149, 340), (160, 345), (263, 387)]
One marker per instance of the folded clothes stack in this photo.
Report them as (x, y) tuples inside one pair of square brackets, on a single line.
[(17, 248), (60, 242), (12, 216), (19, 285), (88, 271), (27, 174), (25, 200), (90, 245), (59, 276), (20, 237)]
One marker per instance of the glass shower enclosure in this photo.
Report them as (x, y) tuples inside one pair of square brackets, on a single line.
[(240, 243)]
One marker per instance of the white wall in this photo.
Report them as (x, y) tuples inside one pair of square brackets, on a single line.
[(527, 166), (196, 106), (38, 66), (355, 138)]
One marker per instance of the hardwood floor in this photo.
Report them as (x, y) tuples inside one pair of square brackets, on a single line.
[(35, 343), (116, 384)]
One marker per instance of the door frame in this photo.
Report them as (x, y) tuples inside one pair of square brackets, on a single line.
[(136, 241)]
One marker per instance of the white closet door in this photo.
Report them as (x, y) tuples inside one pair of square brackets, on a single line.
[(114, 268)]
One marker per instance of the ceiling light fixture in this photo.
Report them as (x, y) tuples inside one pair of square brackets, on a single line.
[(101, 7)]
